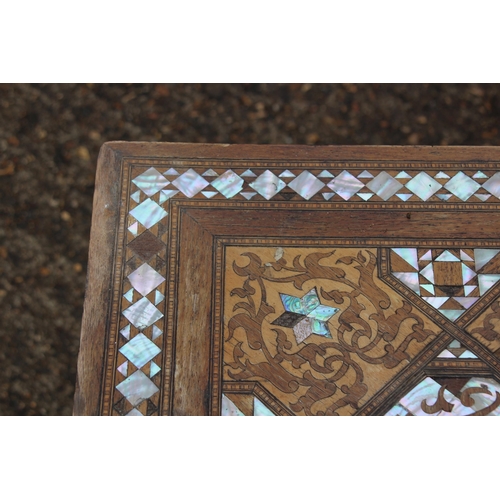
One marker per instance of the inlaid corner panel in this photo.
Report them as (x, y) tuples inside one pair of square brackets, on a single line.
[(245, 288)]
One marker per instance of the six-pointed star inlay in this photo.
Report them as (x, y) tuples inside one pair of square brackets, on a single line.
[(306, 315)]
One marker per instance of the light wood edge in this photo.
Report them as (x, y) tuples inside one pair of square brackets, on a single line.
[(98, 291)]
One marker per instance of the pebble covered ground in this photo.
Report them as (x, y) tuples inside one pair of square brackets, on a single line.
[(50, 137)]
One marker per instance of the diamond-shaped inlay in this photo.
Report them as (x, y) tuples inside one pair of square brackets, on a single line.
[(150, 181), (145, 279), (462, 186), (492, 185), (345, 185), (190, 183), (229, 184), (306, 184), (423, 185), (384, 185), (148, 213), (142, 313), (267, 184), (137, 388), (140, 350), (146, 245)]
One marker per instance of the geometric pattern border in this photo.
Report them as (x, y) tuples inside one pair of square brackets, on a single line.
[(138, 361)]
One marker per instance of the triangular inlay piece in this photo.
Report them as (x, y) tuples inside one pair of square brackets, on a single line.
[(467, 274), (326, 174), (410, 280), (446, 354), (446, 256), (436, 302), (365, 175), (287, 173), (408, 254), (483, 197), (451, 303), (465, 257), (469, 289), (427, 255), (402, 175), (156, 332), (123, 368), (171, 171), (210, 173), (444, 197), (404, 196), (327, 196), (451, 314), (441, 175), (466, 301), (467, 355), (248, 196), (428, 273), (365, 196), (153, 369), (259, 410), (429, 288), (229, 409), (166, 194), (158, 297), (486, 281), (482, 256), (248, 173), (129, 295), (209, 194), (134, 228), (126, 332), (479, 175), (136, 196)]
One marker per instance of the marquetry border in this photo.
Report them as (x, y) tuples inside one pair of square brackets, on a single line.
[(408, 376), (260, 392), (169, 306)]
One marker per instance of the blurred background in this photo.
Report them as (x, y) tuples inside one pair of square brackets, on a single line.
[(50, 137)]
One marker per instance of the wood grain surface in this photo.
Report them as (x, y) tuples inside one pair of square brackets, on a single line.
[(226, 261)]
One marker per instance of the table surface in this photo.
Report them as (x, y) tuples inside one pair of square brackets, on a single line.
[(292, 280)]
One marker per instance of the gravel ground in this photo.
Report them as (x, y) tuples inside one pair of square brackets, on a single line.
[(50, 137)]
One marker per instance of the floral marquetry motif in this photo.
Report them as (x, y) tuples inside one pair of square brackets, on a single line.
[(280, 281), (363, 329)]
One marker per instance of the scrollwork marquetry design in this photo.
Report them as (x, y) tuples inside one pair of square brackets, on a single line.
[(486, 328), (375, 334)]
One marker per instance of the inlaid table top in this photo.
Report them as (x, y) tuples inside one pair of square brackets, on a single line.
[(292, 280)]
